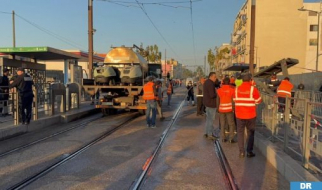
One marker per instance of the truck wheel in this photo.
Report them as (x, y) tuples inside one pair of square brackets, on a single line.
[(142, 112)]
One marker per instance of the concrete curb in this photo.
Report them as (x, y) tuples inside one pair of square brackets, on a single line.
[(286, 165), (12, 131)]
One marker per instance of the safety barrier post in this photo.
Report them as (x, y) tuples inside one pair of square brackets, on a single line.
[(274, 116), (287, 123), (306, 133), (68, 98), (15, 103), (35, 104), (47, 100)]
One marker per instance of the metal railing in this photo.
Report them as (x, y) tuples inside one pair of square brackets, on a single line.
[(48, 98), (296, 123)]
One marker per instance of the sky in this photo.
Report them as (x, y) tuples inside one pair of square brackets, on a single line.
[(63, 24)]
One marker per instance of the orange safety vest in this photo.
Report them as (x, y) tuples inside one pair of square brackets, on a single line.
[(246, 97), (285, 88), (169, 90), (148, 93), (225, 94)]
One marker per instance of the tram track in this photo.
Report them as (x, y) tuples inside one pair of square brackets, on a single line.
[(27, 181), (75, 126), (139, 182), (225, 168)]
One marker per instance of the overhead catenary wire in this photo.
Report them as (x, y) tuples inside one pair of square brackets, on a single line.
[(61, 38), (145, 12), (3, 12)]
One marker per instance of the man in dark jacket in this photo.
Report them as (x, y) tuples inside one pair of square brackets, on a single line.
[(24, 83), (4, 91), (209, 101)]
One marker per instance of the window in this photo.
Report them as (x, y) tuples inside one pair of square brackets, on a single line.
[(313, 42), (313, 28), (312, 13)]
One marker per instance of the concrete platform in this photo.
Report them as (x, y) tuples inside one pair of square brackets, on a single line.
[(8, 129), (188, 161)]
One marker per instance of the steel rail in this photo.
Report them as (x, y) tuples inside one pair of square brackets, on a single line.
[(225, 168), (45, 171), (139, 181), (48, 137)]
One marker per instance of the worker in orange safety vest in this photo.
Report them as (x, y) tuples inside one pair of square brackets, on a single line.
[(225, 109), (149, 94), (246, 97), (284, 90), (169, 91)]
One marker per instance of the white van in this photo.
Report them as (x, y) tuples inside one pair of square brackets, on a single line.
[(188, 80)]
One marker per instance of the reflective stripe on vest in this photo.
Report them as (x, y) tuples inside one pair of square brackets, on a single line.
[(283, 92)]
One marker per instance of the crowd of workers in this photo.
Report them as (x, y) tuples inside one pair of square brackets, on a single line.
[(233, 99)]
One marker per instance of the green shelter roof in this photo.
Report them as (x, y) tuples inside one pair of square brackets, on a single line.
[(39, 53)]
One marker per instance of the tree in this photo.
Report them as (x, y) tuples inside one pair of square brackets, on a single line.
[(200, 72), (211, 59), (186, 73), (151, 53), (223, 54)]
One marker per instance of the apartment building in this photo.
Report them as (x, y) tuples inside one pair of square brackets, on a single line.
[(280, 32), (311, 40)]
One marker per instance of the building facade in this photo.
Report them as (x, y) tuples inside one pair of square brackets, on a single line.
[(311, 40), (223, 59), (280, 32)]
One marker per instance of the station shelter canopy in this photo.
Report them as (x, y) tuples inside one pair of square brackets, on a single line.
[(238, 67), (47, 53)]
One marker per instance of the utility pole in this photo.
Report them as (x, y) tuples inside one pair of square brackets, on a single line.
[(13, 29), (165, 63), (252, 37), (204, 66), (90, 39)]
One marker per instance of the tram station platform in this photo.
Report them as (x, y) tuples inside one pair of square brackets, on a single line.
[(188, 161), (8, 129)]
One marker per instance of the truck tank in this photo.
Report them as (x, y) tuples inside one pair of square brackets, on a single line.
[(131, 65), (105, 75)]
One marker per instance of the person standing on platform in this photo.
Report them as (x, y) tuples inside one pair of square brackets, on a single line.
[(24, 83), (191, 94), (284, 90), (200, 106), (246, 97), (159, 99), (273, 82), (169, 91), (4, 91), (149, 94), (209, 100), (225, 109)]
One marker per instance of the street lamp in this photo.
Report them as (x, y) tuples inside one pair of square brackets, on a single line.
[(318, 35)]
